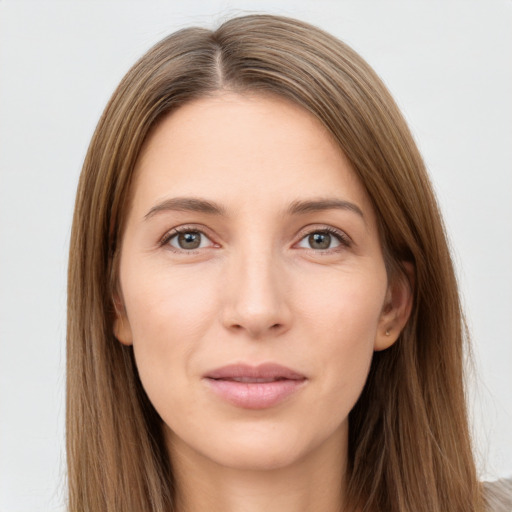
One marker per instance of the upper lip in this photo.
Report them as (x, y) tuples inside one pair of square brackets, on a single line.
[(262, 371)]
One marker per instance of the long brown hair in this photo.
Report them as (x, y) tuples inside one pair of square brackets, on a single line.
[(409, 446)]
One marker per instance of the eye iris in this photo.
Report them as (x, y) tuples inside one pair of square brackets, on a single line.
[(189, 240), (320, 240)]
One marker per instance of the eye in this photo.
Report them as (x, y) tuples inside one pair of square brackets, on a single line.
[(186, 239), (324, 239)]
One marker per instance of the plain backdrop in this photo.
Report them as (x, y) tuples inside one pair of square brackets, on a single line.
[(448, 64)]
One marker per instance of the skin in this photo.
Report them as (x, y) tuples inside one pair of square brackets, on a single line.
[(258, 289)]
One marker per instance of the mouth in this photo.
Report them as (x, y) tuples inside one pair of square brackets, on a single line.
[(254, 387), (252, 380)]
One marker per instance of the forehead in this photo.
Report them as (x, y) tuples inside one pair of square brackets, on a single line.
[(244, 149)]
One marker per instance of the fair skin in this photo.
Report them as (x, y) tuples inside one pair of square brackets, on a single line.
[(256, 282)]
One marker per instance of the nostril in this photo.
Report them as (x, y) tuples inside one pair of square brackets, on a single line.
[(256, 331)]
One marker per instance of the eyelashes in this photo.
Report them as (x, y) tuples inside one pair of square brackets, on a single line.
[(190, 240), (325, 239), (185, 239)]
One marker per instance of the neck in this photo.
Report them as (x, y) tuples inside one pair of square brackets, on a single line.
[(312, 484)]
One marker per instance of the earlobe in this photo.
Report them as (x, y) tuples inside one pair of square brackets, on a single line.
[(396, 310), (121, 326)]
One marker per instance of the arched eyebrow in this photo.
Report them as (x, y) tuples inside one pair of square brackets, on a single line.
[(318, 205), (187, 204), (298, 207)]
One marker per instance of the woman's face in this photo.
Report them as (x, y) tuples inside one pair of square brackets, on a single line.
[(252, 282)]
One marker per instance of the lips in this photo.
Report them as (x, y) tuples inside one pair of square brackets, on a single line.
[(254, 387)]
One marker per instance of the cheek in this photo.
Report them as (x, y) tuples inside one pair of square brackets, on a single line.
[(344, 305), (341, 319), (169, 317), (162, 305)]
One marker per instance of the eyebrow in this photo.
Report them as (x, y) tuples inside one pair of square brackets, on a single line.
[(187, 204), (193, 204), (318, 205)]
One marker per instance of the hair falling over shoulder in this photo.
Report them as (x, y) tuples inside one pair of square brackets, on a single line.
[(409, 442)]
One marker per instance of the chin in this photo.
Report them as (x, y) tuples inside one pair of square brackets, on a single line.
[(243, 447), (273, 446), (258, 456)]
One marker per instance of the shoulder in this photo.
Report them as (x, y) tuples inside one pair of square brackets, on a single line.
[(498, 495)]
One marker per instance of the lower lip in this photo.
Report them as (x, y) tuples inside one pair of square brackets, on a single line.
[(255, 395)]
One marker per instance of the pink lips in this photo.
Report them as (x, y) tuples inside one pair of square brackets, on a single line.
[(254, 387)]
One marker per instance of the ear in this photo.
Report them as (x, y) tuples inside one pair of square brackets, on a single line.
[(397, 308), (122, 329)]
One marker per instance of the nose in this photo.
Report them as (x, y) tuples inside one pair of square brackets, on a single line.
[(256, 299)]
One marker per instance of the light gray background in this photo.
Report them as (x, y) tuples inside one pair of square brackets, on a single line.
[(449, 65)]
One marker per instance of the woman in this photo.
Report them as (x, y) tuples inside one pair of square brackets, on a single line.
[(263, 312)]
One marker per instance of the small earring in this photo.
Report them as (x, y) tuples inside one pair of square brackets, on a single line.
[(387, 332)]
